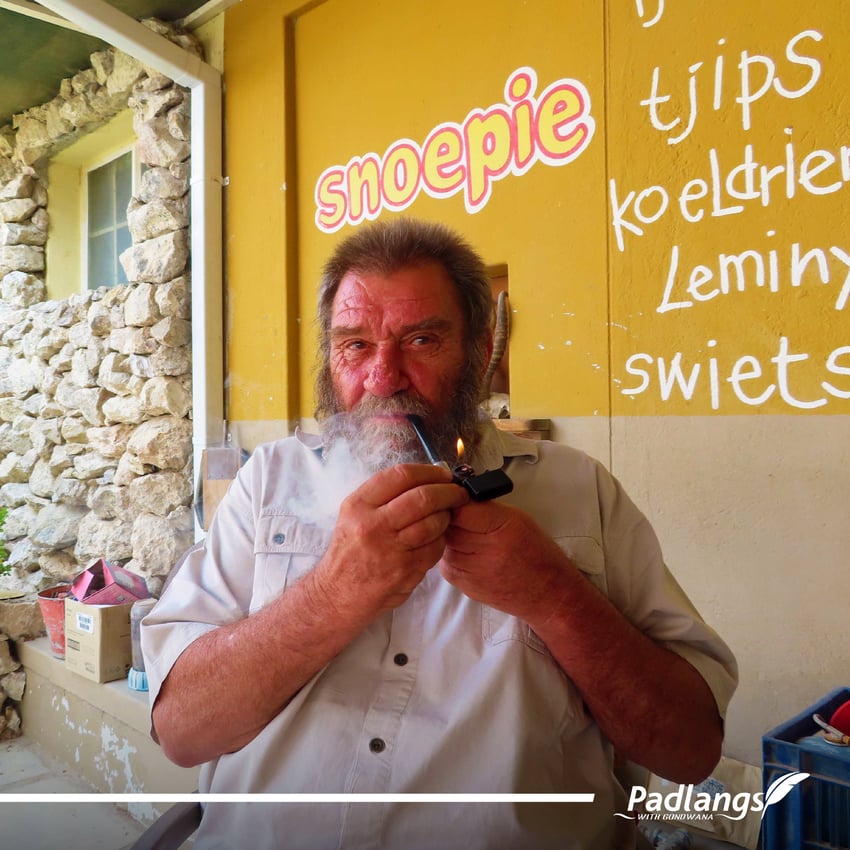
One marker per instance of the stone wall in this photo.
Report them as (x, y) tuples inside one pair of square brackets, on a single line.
[(13, 681), (95, 390), (19, 620)]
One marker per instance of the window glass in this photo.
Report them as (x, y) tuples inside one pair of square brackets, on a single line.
[(123, 240), (101, 260), (123, 185), (110, 188)]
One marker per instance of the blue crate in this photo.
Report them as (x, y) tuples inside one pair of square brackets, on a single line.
[(816, 814)]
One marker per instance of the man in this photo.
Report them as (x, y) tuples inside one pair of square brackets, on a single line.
[(409, 640)]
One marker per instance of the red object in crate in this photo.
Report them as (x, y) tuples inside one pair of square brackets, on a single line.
[(108, 584), (841, 718)]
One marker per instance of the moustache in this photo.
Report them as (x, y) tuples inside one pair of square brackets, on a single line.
[(397, 405)]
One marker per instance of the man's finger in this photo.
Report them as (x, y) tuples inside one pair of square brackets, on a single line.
[(389, 483), (425, 532), (414, 505)]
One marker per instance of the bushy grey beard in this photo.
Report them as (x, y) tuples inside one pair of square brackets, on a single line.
[(378, 444)]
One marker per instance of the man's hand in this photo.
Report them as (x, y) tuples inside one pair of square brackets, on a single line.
[(498, 555), (389, 533)]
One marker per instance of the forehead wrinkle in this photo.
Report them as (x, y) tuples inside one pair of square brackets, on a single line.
[(361, 312), (392, 306), (363, 299)]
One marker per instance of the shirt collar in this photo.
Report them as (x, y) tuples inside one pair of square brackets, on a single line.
[(495, 447), (309, 440)]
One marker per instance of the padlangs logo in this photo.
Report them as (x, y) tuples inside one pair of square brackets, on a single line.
[(694, 803)]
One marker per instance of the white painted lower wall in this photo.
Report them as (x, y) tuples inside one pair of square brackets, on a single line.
[(99, 730), (754, 517)]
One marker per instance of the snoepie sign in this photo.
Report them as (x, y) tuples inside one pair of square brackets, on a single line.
[(554, 127)]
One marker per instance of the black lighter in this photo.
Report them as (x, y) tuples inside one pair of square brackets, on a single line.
[(481, 488)]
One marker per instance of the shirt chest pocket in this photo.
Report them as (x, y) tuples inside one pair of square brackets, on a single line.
[(285, 550), (586, 554)]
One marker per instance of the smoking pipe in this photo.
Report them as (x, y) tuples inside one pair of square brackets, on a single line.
[(481, 488)]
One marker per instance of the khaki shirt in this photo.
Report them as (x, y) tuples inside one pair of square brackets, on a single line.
[(461, 697)]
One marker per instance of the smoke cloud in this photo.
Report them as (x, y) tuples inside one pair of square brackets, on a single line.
[(356, 447)]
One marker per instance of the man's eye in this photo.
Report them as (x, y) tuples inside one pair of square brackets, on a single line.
[(423, 339), (354, 345)]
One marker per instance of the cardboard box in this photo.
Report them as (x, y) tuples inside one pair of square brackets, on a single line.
[(108, 584), (97, 640)]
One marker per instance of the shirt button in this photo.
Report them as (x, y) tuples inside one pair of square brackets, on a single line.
[(400, 659), (377, 745), (279, 538)]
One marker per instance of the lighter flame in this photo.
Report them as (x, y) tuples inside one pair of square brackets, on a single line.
[(459, 450)]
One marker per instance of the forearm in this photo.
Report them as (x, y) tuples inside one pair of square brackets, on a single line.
[(228, 684), (653, 706)]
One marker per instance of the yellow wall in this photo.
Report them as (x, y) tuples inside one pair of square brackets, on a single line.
[(646, 216), (261, 329), (745, 480), (374, 94), (334, 121), (63, 261)]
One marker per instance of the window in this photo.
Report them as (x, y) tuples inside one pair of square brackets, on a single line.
[(89, 160), (109, 189)]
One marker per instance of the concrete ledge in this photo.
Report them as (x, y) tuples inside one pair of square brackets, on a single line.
[(113, 698), (100, 731)]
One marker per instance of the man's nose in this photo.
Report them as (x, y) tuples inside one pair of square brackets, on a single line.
[(386, 376)]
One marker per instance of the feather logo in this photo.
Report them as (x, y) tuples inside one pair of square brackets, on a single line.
[(780, 788)]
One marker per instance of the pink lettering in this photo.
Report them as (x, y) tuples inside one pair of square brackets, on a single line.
[(506, 138)]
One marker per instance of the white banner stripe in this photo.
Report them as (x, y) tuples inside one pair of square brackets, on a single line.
[(296, 798)]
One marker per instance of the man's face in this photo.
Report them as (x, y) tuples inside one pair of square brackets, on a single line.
[(396, 347), (395, 335)]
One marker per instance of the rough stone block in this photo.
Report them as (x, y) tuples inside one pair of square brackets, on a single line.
[(14, 233), (8, 662), (57, 527), (164, 442), (20, 619), (160, 183), (103, 538), (162, 395), (157, 260), (23, 258), (140, 309), (160, 493), (159, 541)]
